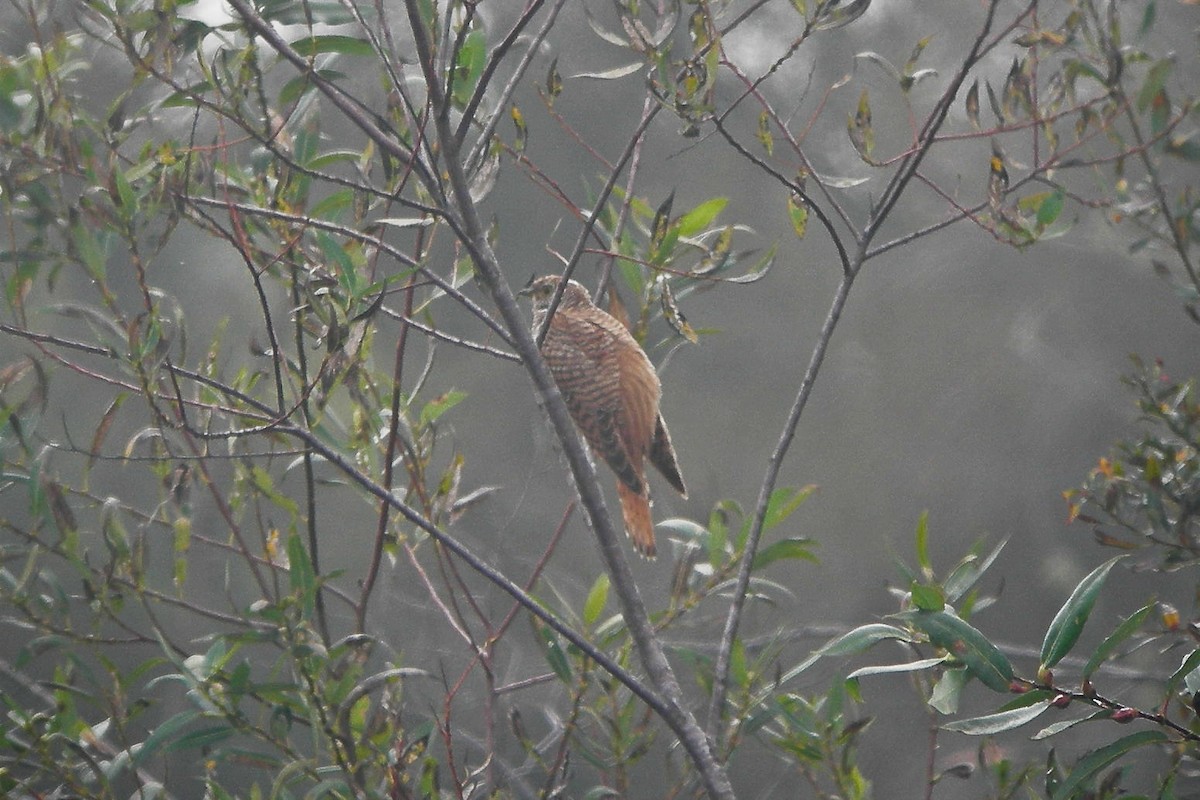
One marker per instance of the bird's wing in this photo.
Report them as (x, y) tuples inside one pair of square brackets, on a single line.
[(639, 387), (662, 456), (585, 368)]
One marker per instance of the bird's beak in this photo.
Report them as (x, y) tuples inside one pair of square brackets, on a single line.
[(527, 289)]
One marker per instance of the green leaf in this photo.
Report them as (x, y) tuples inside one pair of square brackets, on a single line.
[(469, 66), (1062, 725), (552, 650), (91, 251), (850, 643), (967, 644), (927, 598), (1050, 208), (1123, 631), (1156, 78), (333, 203), (964, 577), (760, 268), (205, 737), (792, 548), (345, 45), (438, 406), (1148, 17), (764, 133), (972, 103), (738, 670), (1189, 665), (596, 599), (302, 579), (948, 690), (1098, 760), (1064, 630), (302, 84), (611, 74), (890, 669), (663, 235), (701, 216), (784, 502), (859, 127), (163, 733), (923, 545), (864, 637), (991, 724), (798, 214)]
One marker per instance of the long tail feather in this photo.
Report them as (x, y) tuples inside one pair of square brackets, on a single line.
[(635, 508)]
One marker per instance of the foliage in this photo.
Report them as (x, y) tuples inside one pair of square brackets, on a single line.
[(172, 618)]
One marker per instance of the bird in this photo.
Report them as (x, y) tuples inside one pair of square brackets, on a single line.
[(612, 391)]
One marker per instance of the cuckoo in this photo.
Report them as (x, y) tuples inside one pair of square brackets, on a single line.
[(612, 392)]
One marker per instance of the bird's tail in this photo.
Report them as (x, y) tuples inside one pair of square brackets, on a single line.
[(635, 508)]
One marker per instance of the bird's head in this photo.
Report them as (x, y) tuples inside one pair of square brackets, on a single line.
[(540, 290)]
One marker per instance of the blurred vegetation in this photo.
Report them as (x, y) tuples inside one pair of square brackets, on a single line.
[(167, 610)]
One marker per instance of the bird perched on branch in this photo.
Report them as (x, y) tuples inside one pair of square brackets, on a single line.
[(612, 392)]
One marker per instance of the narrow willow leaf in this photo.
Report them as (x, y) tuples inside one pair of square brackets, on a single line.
[(964, 577), (837, 15), (859, 128), (923, 545), (343, 45), (967, 644), (593, 607), (918, 49), (201, 739), (405, 222), (182, 528), (302, 579), (889, 669), (438, 406), (522, 129), (795, 548), (1098, 760), (993, 102), (1126, 629), (1189, 665), (163, 734), (1156, 78), (991, 724), (302, 85), (1050, 208), (662, 221), (701, 216), (611, 74), (552, 650), (948, 691), (997, 181), (798, 214), (973, 105), (603, 33), (673, 315), (103, 428), (469, 66), (784, 502), (927, 598), (554, 82), (764, 136), (1059, 727), (759, 270), (1068, 623), (850, 643), (880, 61)]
